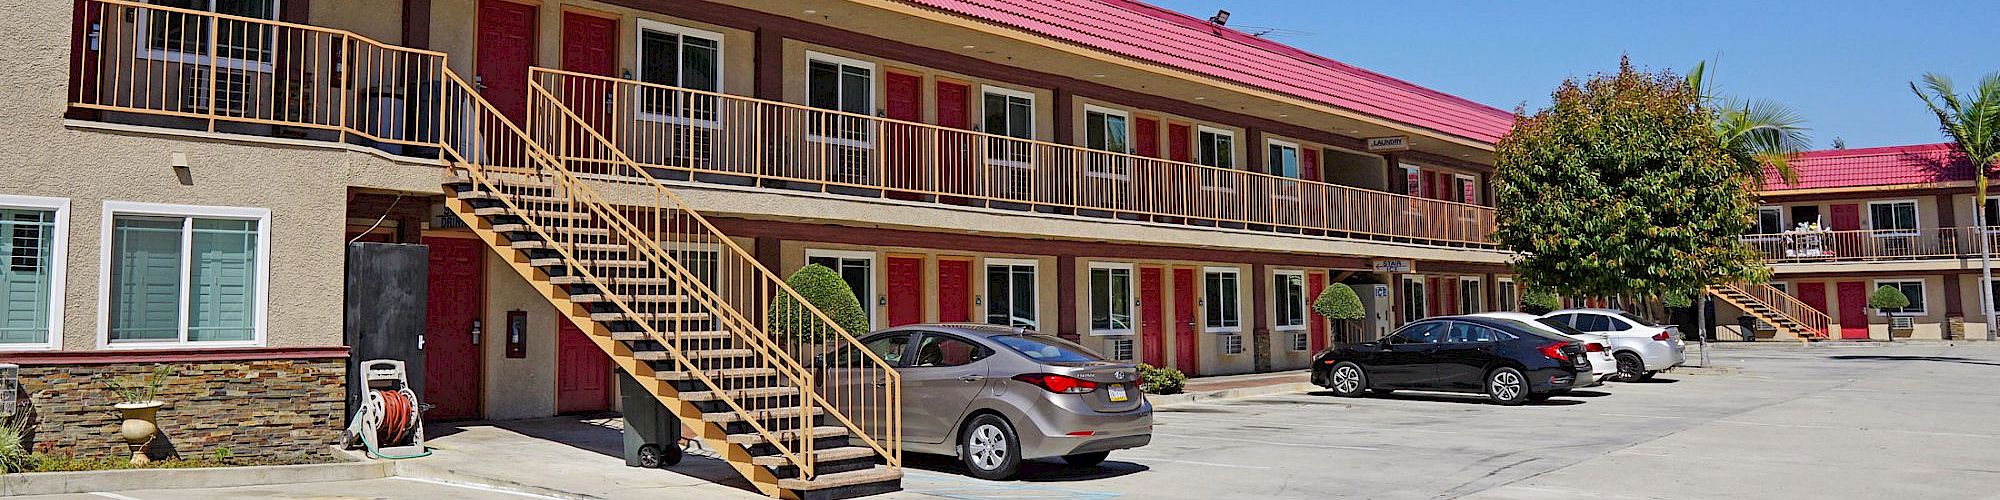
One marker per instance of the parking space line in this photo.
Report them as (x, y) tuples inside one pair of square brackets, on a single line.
[(1662, 417), (113, 496), (1272, 443), (473, 487)]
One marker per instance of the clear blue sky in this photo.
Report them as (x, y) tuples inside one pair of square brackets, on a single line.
[(1843, 64)]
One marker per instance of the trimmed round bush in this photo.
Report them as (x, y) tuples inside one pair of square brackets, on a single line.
[(823, 288)]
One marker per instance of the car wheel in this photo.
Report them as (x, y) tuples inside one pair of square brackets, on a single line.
[(1507, 386), (1086, 459), (1630, 367), (1347, 380), (989, 448)]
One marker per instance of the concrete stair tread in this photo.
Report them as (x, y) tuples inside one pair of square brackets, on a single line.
[(836, 480), (760, 392), (727, 373), (752, 438), (594, 298), (579, 280), (524, 228), (650, 316), (669, 336), (595, 264), (774, 413), (821, 456), (694, 355), (538, 214), (588, 247)]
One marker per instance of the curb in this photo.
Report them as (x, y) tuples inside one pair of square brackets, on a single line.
[(1265, 390), (57, 483)]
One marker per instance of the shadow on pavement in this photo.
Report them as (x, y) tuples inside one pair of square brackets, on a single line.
[(1654, 380), (1447, 397), (1938, 359), (1033, 471), (1585, 394)]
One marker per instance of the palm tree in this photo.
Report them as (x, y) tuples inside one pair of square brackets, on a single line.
[(1973, 124), (1757, 133)]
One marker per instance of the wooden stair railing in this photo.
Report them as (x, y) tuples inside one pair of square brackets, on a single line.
[(1776, 308)]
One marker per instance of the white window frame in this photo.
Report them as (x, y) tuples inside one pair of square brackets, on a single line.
[(231, 63), (1235, 159), (1403, 296), (1305, 306), (1131, 294), (874, 79), (1033, 130), (1510, 299), (1091, 170), (639, 58), (1034, 292), (1916, 218), (1479, 301), (58, 266), (1472, 183), (874, 276), (1298, 153), (1203, 302), (1413, 180), (1922, 287), (112, 209), (1996, 305), (1760, 222)]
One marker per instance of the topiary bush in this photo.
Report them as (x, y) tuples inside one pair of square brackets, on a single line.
[(824, 289), (1888, 297), (1540, 302), (1340, 304), (1158, 380)]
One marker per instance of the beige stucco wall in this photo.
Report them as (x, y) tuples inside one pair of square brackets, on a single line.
[(517, 387), (381, 20)]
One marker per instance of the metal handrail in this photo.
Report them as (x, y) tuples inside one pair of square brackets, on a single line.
[(1811, 319), (1868, 244)]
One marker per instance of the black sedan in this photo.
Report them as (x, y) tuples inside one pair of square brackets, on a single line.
[(1509, 361)]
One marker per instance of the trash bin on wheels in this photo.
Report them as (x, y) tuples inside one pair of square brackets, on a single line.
[(652, 434), (1749, 327)]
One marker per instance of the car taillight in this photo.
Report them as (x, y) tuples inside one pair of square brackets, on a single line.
[(1662, 336), (1057, 383), (1593, 347), (1554, 351)]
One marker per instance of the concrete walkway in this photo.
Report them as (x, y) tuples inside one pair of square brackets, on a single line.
[(567, 457)]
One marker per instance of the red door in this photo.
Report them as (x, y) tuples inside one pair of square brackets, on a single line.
[(1152, 330), (906, 290), (451, 360), (1433, 297), (954, 150), (1853, 309), (1179, 140), (1146, 137), (905, 98), (1187, 349), (590, 47), (1846, 217), (954, 290), (1316, 283), (506, 47), (1309, 164), (1813, 294), (583, 371)]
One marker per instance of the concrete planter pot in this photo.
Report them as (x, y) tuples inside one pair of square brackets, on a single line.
[(140, 426)]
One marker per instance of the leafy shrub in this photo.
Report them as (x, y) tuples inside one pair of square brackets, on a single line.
[(1888, 297), (824, 289), (1159, 380), (1540, 302), (1338, 301), (13, 445)]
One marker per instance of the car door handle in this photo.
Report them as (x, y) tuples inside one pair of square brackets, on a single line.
[(972, 378)]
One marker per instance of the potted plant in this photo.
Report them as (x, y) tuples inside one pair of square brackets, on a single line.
[(1339, 304), (1886, 298), (139, 405)]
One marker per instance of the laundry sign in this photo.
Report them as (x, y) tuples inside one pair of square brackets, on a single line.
[(1392, 143)]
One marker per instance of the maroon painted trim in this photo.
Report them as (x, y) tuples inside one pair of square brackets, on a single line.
[(1954, 303), (1947, 213), (295, 11), (1860, 196), (417, 23), (827, 233), (1066, 317), (769, 65), (105, 357), (772, 26), (1783, 276)]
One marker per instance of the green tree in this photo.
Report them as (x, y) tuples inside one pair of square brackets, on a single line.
[(1888, 297), (1973, 124), (1539, 301), (1340, 304), (1623, 186), (824, 289)]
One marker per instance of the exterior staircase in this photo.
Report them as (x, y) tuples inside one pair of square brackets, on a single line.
[(1776, 308)]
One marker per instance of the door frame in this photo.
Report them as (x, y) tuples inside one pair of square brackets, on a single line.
[(888, 278)]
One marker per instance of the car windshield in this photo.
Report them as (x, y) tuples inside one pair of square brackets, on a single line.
[(1520, 328), (1047, 349), (1560, 326), (1635, 319)]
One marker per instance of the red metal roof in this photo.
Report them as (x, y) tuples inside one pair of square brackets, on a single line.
[(1883, 166), (1156, 35)]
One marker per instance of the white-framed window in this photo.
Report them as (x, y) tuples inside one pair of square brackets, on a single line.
[(1230, 343), (1121, 348), (1510, 295), (1893, 218), (1288, 293), (1995, 286), (1413, 181), (34, 240), (1911, 288), (1111, 298), (1770, 220), (1216, 147), (1283, 158), (1301, 341), (1467, 188), (678, 56), (1414, 301), (183, 275), (857, 268), (840, 84), (1223, 312), (1010, 114), (1992, 212), (1106, 129), (183, 38), (1471, 295), (1011, 297)]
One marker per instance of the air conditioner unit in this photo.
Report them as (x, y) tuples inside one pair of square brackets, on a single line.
[(1902, 322), (232, 92)]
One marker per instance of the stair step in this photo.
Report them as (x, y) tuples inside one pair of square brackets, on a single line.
[(753, 438), (852, 478), (821, 456), (579, 280), (717, 375), (596, 298), (775, 413), (740, 394), (587, 247), (650, 316), (694, 355), (538, 214), (600, 264), (685, 336), (524, 228)]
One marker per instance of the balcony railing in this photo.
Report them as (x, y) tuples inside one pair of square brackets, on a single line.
[(1871, 244), (690, 134)]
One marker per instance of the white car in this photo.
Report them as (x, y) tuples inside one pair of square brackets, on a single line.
[(1595, 346), (1641, 348)]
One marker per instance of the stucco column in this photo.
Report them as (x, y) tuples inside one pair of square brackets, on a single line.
[(1066, 297), (1260, 314), (769, 64)]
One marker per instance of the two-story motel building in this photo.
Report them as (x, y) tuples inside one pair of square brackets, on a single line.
[(183, 178)]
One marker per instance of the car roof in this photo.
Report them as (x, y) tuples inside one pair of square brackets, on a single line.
[(1598, 310), (981, 330), (1517, 316)]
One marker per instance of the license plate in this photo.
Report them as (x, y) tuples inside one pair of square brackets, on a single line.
[(1118, 393)]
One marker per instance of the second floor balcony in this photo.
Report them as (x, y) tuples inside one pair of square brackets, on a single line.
[(1872, 245)]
